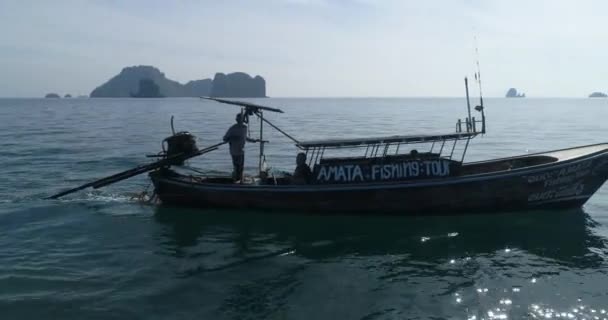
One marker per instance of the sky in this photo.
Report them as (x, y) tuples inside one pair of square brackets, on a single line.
[(310, 48)]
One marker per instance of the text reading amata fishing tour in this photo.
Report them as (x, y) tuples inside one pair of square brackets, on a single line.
[(379, 172)]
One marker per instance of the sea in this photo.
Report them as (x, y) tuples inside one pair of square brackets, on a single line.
[(105, 254)]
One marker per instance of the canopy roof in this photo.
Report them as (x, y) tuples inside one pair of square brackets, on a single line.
[(335, 143), (248, 105)]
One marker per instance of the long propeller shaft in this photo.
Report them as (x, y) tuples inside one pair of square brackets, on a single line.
[(136, 171)]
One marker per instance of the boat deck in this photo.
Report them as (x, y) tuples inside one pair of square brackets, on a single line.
[(530, 160), (567, 154)]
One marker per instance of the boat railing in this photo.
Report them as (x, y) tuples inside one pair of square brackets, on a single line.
[(469, 125), (442, 146)]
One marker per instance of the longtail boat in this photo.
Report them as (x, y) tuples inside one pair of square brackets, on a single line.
[(382, 174)]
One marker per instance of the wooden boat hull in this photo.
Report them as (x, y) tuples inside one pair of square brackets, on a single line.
[(567, 182)]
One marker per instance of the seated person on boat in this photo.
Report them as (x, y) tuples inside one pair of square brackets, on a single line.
[(302, 174)]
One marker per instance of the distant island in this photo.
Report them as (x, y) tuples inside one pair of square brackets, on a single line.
[(237, 85), (598, 95), (128, 84), (52, 96), (67, 96), (512, 93)]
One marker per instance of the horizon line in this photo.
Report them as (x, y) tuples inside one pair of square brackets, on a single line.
[(318, 97)]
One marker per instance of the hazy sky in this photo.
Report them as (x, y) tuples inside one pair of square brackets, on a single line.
[(310, 47)]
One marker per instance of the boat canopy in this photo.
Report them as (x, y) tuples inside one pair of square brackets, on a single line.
[(250, 106), (354, 142)]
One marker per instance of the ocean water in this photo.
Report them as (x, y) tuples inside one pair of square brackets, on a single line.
[(103, 255)]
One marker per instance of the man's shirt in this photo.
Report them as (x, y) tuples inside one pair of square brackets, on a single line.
[(236, 136)]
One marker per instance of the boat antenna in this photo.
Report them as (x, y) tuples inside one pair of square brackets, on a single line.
[(479, 108), (466, 86), (478, 75)]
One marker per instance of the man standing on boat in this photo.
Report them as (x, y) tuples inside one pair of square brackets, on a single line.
[(236, 137)]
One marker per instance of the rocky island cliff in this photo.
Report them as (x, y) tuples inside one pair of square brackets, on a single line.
[(598, 95), (512, 93), (127, 84), (238, 85)]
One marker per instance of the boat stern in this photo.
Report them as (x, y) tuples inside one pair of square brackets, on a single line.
[(568, 185)]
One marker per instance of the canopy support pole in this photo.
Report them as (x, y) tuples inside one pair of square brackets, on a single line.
[(317, 155), (312, 156), (441, 149), (261, 116), (465, 149), (453, 147)]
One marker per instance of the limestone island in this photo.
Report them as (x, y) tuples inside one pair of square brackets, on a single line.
[(598, 95), (52, 96), (512, 93), (129, 81)]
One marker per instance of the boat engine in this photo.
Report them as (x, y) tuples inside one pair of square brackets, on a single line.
[(180, 143)]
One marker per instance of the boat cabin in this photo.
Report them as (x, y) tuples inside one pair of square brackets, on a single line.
[(392, 158)]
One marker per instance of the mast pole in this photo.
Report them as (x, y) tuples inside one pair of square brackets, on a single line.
[(466, 86), (478, 74), (478, 78), (261, 141)]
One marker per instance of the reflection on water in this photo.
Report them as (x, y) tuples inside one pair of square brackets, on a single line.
[(563, 236), (475, 266)]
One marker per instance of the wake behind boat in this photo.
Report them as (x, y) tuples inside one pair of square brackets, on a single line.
[(381, 174)]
